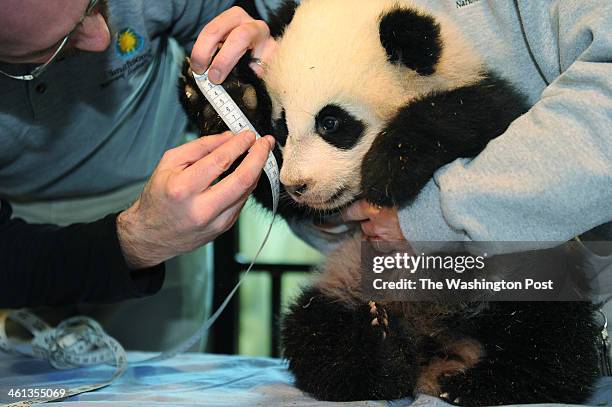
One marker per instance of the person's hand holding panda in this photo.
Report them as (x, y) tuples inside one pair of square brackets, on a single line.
[(377, 222)]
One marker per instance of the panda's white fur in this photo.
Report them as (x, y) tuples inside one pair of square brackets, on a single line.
[(311, 69)]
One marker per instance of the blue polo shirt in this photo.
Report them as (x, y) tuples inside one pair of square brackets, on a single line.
[(97, 122)]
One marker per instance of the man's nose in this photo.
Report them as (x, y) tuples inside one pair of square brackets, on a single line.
[(92, 34)]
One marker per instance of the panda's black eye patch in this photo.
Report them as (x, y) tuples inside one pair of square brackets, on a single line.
[(338, 127), (279, 129)]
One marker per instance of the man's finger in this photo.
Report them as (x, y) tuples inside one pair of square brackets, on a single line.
[(214, 33), (188, 153), (228, 217), (246, 36), (263, 51), (242, 181), (202, 173), (368, 229), (358, 211)]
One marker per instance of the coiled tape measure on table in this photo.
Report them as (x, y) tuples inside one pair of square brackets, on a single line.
[(80, 341)]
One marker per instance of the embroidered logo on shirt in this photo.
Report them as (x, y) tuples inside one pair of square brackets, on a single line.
[(128, 42), (128, 68), (463, 3)]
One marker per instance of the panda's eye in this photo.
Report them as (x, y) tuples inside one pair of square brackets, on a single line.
[(330, 124), (335, 125)]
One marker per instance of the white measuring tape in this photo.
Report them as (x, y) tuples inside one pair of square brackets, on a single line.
[(80, 341), (75, 342)]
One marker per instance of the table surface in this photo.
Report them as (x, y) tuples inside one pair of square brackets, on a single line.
[(193, 379)]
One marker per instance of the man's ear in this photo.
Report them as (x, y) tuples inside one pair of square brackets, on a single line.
[(411, 38)]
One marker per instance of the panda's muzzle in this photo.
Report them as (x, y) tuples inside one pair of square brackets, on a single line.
[(337, 195), (305, 194), (297, 190)]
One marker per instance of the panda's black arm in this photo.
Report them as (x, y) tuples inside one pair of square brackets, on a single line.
[(433, 131)]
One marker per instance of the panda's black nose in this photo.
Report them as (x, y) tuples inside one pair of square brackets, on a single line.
[(297, 190)]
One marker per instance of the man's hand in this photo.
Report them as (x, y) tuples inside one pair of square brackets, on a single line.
[(179, 208), (377, 223), (237, 32)]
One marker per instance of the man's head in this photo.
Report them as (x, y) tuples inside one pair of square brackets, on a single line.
[(31, 30)]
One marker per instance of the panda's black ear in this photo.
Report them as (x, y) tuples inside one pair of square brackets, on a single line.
[(411, 38), (282, 17)]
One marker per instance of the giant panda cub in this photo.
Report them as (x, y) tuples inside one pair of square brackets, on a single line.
[(366, 100)]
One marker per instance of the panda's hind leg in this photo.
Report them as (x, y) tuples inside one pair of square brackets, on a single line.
[(533, 353), (343, 352)]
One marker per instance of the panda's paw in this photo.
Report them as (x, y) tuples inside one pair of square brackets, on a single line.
[(201, 112), (379, 319)]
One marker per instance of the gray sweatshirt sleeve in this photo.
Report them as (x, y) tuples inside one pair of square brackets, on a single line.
[(549, 176)]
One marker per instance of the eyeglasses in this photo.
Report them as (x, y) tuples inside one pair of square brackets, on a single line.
[(36, 72)]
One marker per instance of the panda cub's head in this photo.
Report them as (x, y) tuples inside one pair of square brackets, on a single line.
[(342, 70)]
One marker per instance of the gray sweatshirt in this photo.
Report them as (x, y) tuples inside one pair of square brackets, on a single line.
[(549, 176), (96, 123)]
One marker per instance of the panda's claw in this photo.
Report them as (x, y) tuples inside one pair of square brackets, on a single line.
[(380, 320), (447, 397), (379, 313)]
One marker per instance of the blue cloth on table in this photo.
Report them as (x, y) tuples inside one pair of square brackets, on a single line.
[(193, 379)]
